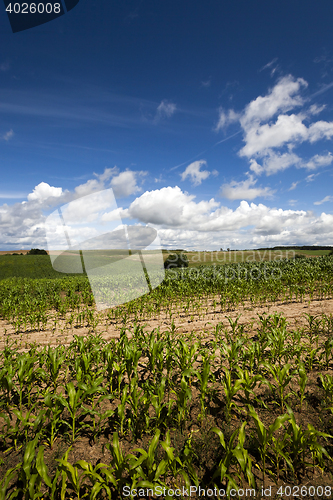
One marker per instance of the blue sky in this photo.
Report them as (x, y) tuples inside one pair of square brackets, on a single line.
[(212, 121)]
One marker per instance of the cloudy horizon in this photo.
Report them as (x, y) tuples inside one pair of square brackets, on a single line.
[(237, 155)]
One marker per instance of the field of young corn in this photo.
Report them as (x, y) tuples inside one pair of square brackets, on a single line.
[(237, 409)]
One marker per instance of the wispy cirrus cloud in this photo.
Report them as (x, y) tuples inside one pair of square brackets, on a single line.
[(165, 110), (8, 135), (324, 200)]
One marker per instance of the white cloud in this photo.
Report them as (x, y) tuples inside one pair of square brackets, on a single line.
[(168, 205), (320, 130), (269, 66), (269, 129), (226, 118), (287, 128), (182, 222), (244, 190), (293, 186), (8, 135), (275, 162), (165, 110), (194, 173), (315, 109), (44, 191), (311, 177), (281, 98), (125, 184), (319, 161), (324, 200)]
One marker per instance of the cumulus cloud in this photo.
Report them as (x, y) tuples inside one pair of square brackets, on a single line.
[(275, 162), (181, 221), (271, 132), (324, 200), (125, 184), (43, 191), (168, 205), (287, 128), (244, 190), (198, 225), (283, 97), (195, 174)]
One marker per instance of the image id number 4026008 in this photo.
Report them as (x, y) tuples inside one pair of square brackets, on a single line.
[(305, 491), (33, 8)]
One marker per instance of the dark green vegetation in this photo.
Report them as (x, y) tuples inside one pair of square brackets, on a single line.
[(37, 251), (241, 406), (176, 260), (27, 266)]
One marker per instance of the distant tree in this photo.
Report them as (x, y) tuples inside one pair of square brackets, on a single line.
[(175, 260), (228, 249), (331, 252), (37, 251)]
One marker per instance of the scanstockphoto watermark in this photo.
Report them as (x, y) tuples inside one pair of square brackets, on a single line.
[(306, 491), (160, 491), (228, 273), (236, 256), (88, 236)]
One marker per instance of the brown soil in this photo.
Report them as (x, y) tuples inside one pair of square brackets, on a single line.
[(188, 324), (194, 326)]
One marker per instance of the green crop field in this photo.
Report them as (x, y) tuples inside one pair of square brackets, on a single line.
[(27, 266), (232, 406)]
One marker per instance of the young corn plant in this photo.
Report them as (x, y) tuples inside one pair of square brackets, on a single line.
[(119, 462), (235, 461), (203, 377), (30, 475), (282, 377), (54, 361), (302, 382), (147, 471), (327, 385), (70, 477), (163, 410), (100, 477), (264, 435), (73, 403), (231, 387), (184, 396), (54, 414)]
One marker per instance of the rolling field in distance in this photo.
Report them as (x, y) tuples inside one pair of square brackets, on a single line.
[(221, 377)]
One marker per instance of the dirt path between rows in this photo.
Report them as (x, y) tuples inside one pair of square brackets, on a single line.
[(190, 325)]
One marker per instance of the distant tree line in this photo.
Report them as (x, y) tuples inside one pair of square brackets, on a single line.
[(37, 251), (304, 247)]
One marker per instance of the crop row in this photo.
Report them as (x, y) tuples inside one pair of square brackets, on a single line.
[(35, 304), (238, 409)]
